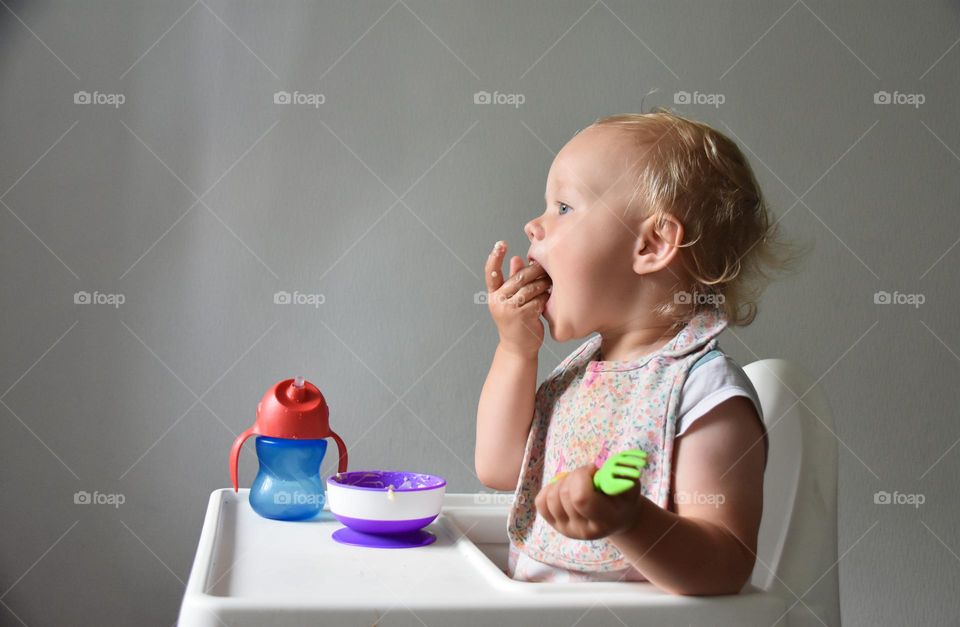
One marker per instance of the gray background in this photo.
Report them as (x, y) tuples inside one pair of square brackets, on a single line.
[(199, 198)]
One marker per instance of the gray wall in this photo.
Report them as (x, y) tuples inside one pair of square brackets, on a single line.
[(198, 198)]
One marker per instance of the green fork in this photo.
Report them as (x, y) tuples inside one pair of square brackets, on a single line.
[(620, 472), (606, 478)]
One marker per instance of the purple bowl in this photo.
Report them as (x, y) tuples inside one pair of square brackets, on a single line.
[(385, 502)]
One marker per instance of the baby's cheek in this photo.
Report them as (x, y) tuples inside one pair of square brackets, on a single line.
[(587, 281)]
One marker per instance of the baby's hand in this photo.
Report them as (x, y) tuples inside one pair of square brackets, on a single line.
[(576, 509), (516, 304)]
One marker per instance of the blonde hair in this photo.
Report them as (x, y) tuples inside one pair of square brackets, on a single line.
[(732, 247)]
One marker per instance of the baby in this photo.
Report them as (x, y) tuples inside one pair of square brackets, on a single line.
[(655, 236)]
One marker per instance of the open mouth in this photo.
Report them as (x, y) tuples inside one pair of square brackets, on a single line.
[(531, 258)]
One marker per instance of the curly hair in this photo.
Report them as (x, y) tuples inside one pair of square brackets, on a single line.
[(732, 247)]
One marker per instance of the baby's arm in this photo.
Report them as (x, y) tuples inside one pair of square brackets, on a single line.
[(503, 418), (506, 403), (709, 546)]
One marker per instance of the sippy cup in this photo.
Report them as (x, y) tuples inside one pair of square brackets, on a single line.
[(291, 426)]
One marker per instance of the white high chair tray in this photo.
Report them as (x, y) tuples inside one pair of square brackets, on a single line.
[(249, 570)]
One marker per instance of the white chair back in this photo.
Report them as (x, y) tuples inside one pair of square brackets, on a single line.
[(797, 545)]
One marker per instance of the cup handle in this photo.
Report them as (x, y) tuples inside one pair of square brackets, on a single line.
[(342, 449), (235, 455)]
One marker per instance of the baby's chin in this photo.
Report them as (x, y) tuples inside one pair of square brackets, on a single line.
[(559, 331)]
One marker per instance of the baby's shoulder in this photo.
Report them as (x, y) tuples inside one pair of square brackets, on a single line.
[(716, 369)]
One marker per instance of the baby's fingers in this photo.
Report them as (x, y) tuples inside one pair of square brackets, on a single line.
[(555, 506), (493, 269), (516, 265)]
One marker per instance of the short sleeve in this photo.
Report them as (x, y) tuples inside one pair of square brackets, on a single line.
[(709, 384)]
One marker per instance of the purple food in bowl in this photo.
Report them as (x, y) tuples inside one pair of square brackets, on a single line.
[(385, 502)]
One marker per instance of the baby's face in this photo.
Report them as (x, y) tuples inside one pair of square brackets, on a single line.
[(583, 239)]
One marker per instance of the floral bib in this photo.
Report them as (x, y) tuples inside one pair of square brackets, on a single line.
[(587, 410)]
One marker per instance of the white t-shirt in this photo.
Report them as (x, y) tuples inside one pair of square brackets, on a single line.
[(714, 379)]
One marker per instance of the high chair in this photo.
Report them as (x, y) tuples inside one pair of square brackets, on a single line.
[(251, 570)]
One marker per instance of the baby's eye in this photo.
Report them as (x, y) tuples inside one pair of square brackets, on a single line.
[(563, 208)]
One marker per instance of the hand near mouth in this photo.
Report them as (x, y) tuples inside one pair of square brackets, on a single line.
[(517, 302)]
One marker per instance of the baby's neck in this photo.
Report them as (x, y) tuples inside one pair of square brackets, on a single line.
[(634, 340)]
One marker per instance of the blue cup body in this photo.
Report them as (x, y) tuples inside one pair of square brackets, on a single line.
[(288, 485)]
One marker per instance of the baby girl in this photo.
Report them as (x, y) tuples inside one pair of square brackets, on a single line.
[(656, 237)]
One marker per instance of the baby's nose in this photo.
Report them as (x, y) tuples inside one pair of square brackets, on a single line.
[(533, 230)]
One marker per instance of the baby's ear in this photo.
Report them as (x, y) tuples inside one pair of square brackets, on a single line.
[(655, 248)]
